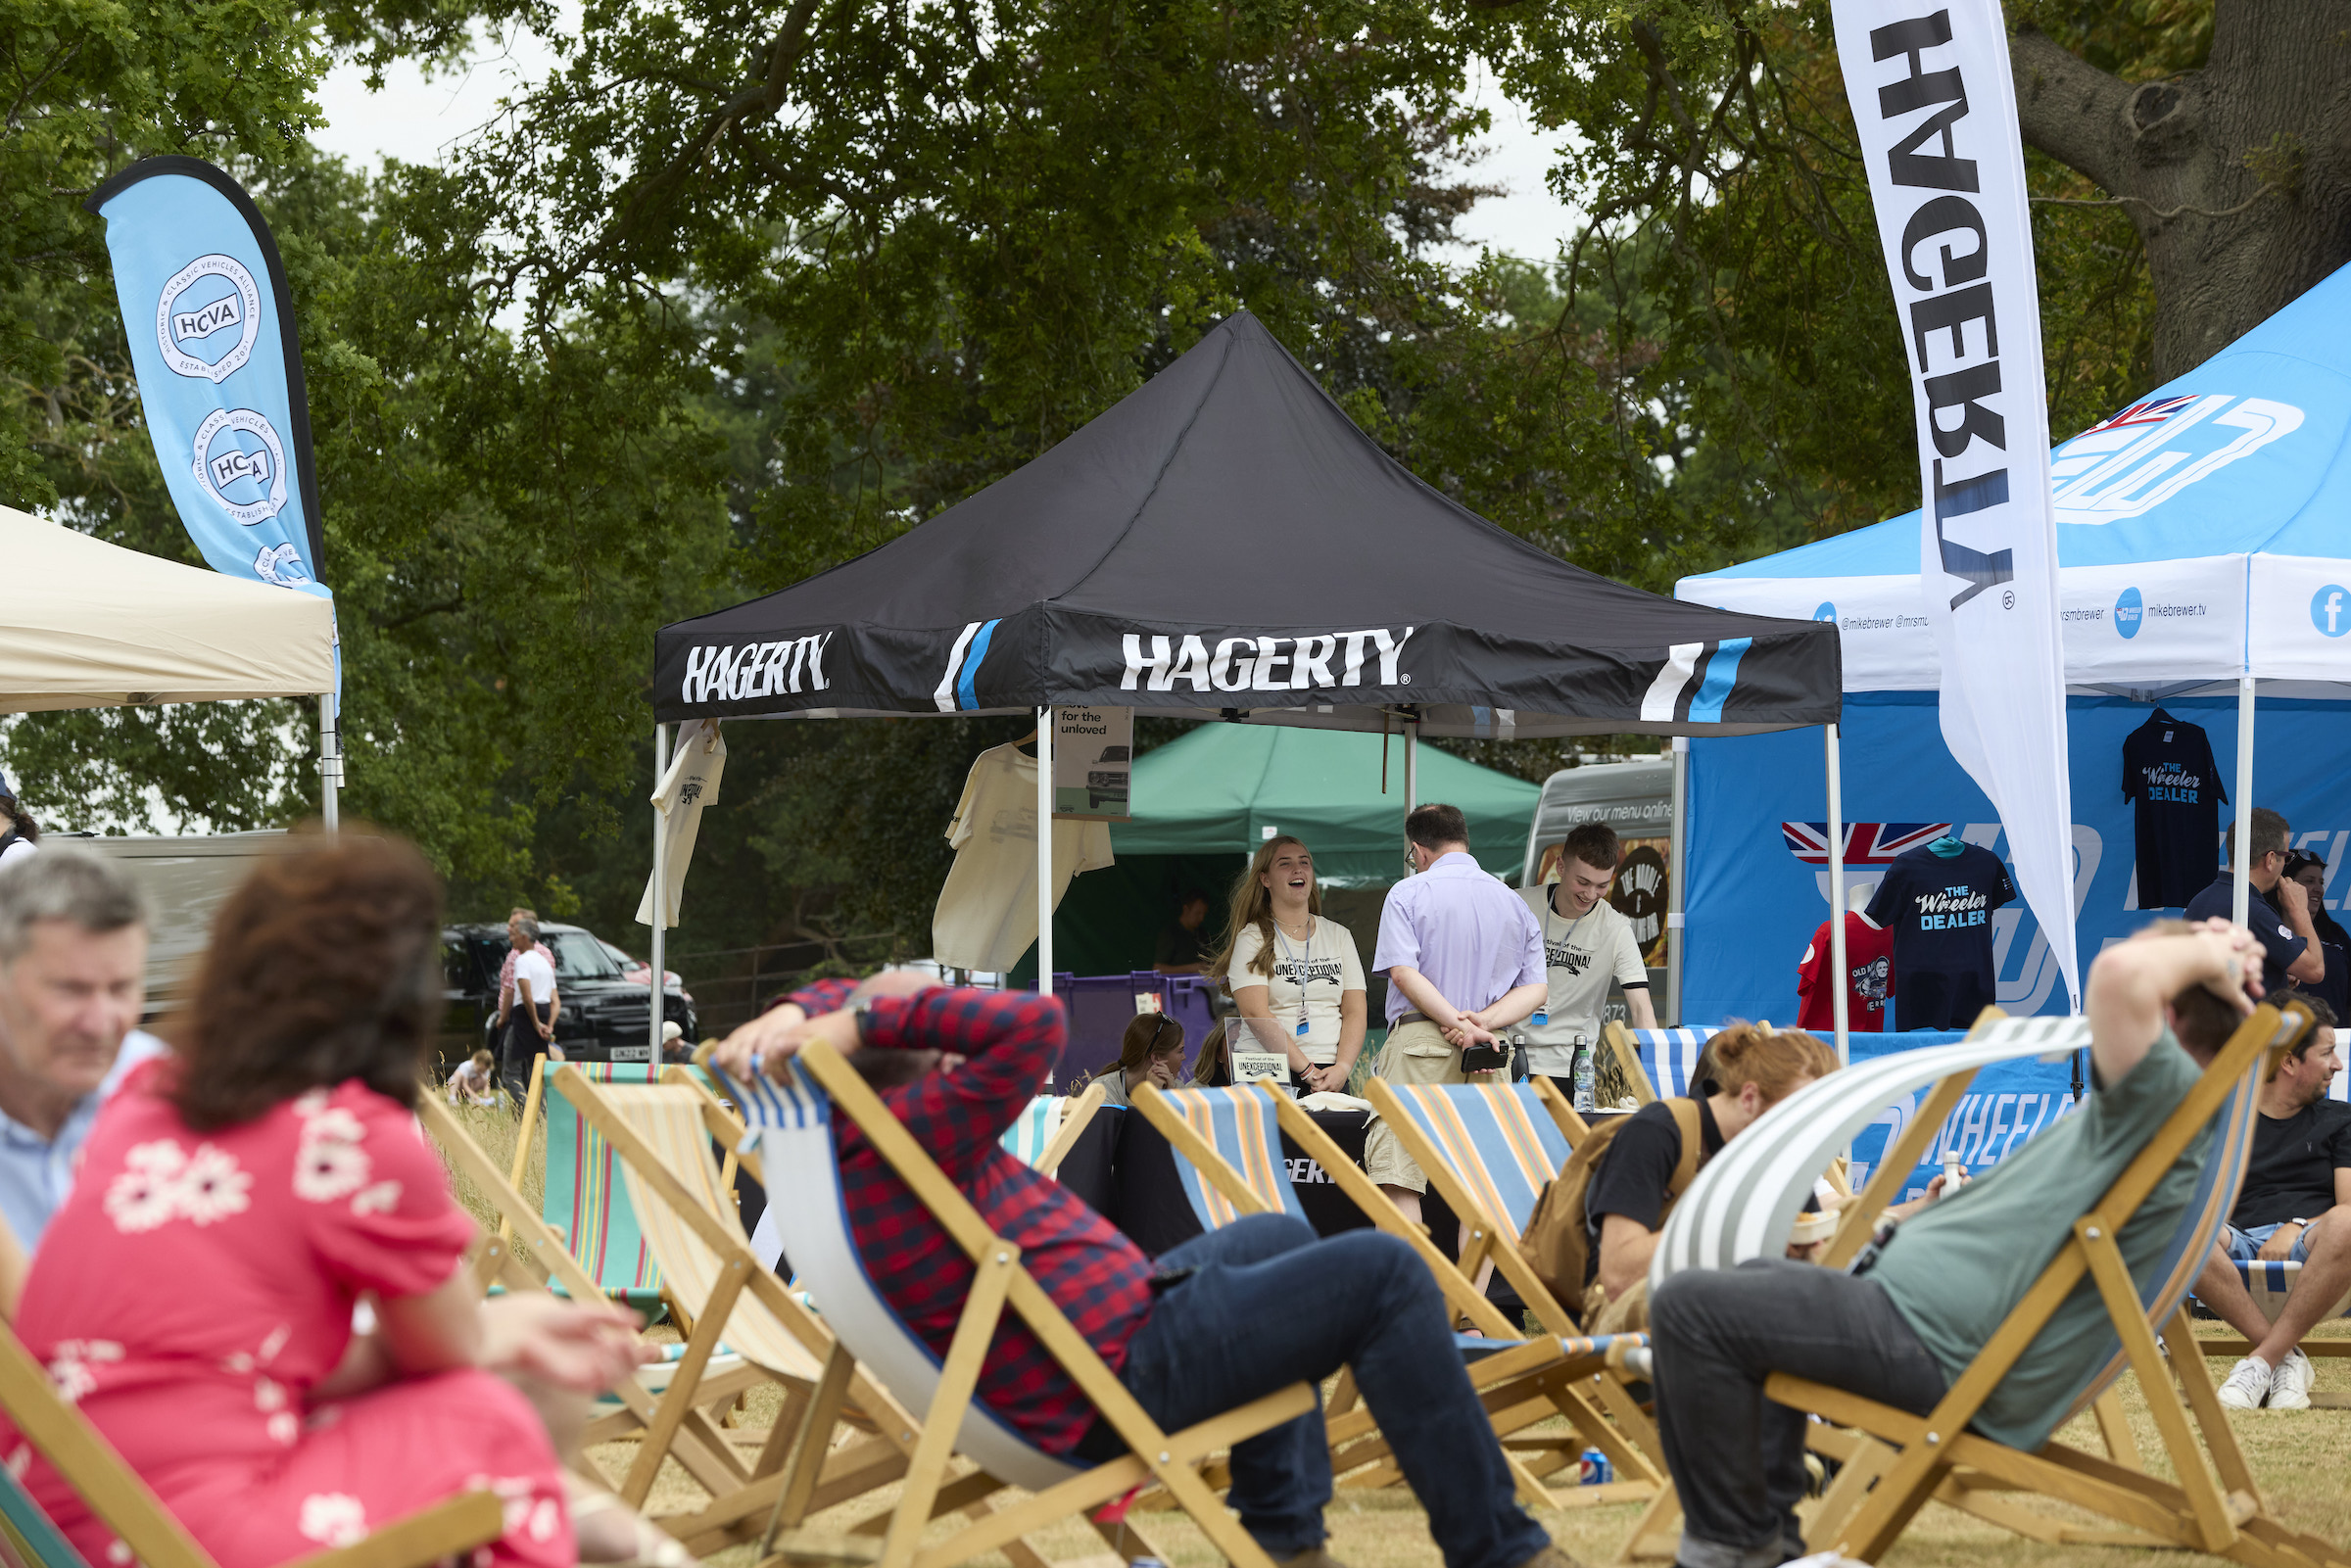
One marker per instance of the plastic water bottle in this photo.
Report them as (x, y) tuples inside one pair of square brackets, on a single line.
[(1583, 1077)]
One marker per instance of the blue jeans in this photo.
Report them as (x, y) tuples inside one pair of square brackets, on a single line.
[(1266, 1306), (2245, 1245)]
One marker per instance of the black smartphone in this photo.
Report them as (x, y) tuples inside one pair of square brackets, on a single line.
[(1485, 1058)]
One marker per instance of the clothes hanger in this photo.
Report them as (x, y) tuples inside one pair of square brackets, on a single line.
[(1946, 846)]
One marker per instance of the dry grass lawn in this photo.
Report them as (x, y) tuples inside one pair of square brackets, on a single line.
[(2302, 1460)]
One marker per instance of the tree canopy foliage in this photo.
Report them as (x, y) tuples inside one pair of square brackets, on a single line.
[(739, 291)]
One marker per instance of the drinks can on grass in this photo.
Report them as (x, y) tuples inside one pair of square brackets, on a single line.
[(1596, 1469)]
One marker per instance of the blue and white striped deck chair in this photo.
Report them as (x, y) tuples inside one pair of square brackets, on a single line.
[(1657, 1064), (1742, 1205), (2269, 1284), (790, 1123)]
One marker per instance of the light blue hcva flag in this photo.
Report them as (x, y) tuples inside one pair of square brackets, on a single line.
[(211, 324)]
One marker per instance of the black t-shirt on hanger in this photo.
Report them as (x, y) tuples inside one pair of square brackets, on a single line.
[(2169, 771), (1940, 911)]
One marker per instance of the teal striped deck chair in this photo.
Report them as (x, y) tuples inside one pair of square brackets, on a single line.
[(1231, 1164), (1742, 1202), (31, 1541), (587, 1202)]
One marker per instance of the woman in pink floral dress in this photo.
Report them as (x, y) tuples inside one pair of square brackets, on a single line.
[(235, 1204)]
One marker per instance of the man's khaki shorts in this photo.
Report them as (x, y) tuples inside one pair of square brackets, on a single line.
[(1416, 1053)]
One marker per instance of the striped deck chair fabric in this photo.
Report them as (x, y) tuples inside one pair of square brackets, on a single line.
[(2269, 1283), (790, 1123), (1239, 1125), (1498, 1138), (1670, 1056), (1031, 1131), (585, 1201), (1744, 1202), (31, 1541), (669, 1118)]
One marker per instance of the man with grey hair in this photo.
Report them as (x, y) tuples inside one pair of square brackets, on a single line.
[(72, 965)]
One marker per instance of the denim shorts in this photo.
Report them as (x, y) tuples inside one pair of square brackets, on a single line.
[(2245, 1245)]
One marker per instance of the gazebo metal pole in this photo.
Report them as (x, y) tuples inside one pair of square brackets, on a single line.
[(330, 764), (1838, 974), (1674, 894), (2240, 893), (654, 993), (1045, 850)]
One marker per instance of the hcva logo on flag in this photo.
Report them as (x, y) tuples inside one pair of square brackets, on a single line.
[(2129, 611), (202, 301), (249, 483), (2153, 451), (2330, 611)]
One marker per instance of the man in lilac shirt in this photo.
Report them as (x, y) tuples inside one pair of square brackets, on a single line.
[(1463, 958)]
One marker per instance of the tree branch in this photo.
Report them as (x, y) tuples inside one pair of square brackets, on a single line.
[(2069, 109)]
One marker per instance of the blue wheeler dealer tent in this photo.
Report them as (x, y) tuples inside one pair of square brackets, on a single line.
[(2204, 549)]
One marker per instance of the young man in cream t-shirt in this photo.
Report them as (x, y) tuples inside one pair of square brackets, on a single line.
[(1586, 944)]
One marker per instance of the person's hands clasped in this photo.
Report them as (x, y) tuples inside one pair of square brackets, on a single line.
[(2238, 959), (585, 1347), (2280, 1245)]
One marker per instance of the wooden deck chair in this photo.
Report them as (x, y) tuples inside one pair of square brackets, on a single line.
[(1043, 1134), (1901, 1461), (154, 1537), (1232, 1164), (671, 1410), (583, 1198), (1489, 1149), (792, 1122), (1656, 1064)]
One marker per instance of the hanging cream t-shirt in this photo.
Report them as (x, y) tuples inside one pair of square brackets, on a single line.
[(987, 915), (1309, 979)]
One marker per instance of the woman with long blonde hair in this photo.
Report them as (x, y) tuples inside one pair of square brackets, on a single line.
[(1283, 961)]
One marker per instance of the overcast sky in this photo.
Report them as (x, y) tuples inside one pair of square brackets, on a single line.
[(415, 120)]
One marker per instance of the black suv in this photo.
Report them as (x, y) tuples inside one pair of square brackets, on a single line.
[(604, 1017)]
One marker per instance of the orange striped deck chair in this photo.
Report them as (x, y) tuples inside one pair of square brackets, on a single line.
[(1489, 1150), (1231, 1164)]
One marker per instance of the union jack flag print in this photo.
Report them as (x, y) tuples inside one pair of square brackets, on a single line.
[(2154, 412), (1867, 843)]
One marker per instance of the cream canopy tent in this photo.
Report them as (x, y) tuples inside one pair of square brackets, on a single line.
[(85, 624)]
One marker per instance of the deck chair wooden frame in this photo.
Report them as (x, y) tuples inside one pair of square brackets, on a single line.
[(1602, 1411), (678, 1422), (1521, 1388), (796, 1114), (536, 1125), (127, 1506), (1908, 1459)]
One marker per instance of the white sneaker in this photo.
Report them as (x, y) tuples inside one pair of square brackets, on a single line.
[(2249, 1383), (2289, 1385)]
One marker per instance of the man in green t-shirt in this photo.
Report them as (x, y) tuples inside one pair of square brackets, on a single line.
[(2160, 1007)]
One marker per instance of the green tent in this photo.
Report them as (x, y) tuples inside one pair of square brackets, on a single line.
[(1204, 802), (1221, 787)]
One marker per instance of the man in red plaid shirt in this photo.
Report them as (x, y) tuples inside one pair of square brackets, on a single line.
[(1238, 1313)]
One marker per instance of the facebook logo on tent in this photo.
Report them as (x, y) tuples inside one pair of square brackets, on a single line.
[(2330, 611)]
